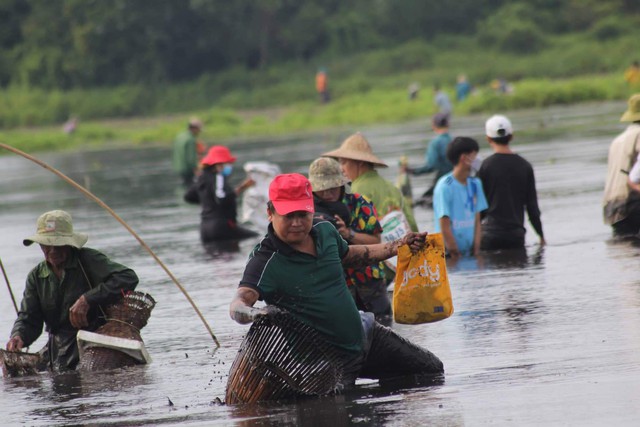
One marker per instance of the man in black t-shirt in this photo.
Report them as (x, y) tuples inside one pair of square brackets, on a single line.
[(510, 187)]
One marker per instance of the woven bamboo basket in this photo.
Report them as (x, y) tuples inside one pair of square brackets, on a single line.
[(124, 320), (283, 358), (18, 364)]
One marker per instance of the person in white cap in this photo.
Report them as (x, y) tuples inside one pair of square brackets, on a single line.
[(621, 204), (65, 291), (185, 151), (510, 187)]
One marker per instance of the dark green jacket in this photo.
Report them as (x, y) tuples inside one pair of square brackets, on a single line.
[(47, 301)]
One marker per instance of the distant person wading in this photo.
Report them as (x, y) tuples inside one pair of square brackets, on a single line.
[(185, 152), (510, 187), (218, 200), (621, 204)]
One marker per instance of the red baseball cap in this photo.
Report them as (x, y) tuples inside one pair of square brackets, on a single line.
[(218, 154), (291, 192)]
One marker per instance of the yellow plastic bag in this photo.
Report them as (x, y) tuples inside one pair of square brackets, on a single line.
[(422, 293)]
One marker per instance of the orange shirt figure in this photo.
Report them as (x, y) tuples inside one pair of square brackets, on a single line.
[(632, 75), (322, 85)]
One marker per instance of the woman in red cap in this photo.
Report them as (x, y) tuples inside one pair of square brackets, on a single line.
[(218, 200)]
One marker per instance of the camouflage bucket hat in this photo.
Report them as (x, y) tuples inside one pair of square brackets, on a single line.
[(325, 173), (54, 228)]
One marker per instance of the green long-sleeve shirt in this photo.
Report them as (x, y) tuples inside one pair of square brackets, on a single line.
[(185, 158), (47, 300), (384, 195)]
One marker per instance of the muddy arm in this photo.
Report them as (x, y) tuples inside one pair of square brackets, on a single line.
[(364, 255)]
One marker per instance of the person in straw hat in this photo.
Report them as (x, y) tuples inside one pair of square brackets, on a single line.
[(218, 200), (358, 164), (64, 292), (355, 218), (621, 203)]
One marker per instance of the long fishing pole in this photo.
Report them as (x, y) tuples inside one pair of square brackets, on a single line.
[(121, 221), (6, 279)]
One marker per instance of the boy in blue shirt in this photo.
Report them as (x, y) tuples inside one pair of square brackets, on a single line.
[(458, 200)]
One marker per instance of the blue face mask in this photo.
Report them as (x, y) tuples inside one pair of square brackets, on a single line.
[(226, 170)]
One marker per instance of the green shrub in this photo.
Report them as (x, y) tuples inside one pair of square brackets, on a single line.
[(513, 29), (611, 27)]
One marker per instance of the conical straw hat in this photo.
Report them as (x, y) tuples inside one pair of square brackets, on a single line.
[(356, 147), (633, 112)]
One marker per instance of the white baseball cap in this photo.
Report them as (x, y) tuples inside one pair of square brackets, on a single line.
[(498, 126)]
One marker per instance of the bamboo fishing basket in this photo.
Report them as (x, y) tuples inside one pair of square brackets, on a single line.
[(124, 320), (283, 358), (19, 364)]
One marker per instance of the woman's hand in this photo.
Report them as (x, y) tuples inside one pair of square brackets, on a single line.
[(341, 227)]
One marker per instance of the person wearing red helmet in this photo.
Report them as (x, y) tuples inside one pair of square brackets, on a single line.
[(213, 192)]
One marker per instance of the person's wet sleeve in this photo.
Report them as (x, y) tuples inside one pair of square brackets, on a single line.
[(109, 280), (191, 195), (30, 319), (533, 211), (430, 158)]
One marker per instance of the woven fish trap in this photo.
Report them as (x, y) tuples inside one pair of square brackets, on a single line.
[(283, 358), (19, 364), (134, 308), (124, 320), (103, 358)]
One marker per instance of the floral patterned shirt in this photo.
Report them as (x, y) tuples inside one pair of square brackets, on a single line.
[(364, 218)]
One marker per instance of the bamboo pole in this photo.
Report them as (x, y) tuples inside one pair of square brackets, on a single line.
[(6, 279), (91, 196)]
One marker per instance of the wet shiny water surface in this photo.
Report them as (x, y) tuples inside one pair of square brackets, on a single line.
[(546, 337)]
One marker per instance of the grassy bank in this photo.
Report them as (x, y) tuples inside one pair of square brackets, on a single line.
[(366, 89)]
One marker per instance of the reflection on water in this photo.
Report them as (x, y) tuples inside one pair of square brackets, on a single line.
[(548, 335), (500, 259), (222, 248)]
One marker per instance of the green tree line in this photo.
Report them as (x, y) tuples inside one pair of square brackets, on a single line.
[(70, 44)]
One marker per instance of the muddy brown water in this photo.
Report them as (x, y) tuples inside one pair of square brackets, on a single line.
[(549, 337)]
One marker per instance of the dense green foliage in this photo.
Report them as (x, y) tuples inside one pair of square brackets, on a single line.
[(66, 44), (100, 59)]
